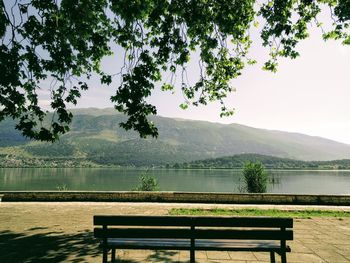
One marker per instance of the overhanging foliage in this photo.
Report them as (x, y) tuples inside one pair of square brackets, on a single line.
[(63, 42)]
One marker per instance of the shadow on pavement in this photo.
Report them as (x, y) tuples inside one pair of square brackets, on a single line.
[(47, 247), (162, 256), (53, 247)]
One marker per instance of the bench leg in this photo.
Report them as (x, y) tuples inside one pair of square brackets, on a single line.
[(283, 257), (192, 257), (105, 254), (272, 257), (113, 255)]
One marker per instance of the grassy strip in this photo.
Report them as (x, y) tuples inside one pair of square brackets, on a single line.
[(259, 212)]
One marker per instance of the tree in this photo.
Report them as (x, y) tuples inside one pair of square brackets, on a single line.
[(63, 42)]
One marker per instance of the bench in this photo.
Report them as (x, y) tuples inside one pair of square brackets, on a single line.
[(257, 234)]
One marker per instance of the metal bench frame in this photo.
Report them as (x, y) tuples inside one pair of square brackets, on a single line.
[(257, 234)]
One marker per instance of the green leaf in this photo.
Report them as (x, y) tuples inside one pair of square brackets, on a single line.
[(183, 106)]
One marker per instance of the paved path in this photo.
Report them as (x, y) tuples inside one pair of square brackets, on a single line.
[(61, 232)]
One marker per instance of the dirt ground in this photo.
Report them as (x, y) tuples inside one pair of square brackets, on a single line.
[(62, 232)]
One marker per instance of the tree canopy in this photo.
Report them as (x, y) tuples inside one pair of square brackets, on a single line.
[(63, 42)]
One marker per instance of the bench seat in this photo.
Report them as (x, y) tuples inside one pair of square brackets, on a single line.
[(200, 244)]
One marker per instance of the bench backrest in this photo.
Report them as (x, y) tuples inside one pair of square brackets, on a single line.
[(198, 227)]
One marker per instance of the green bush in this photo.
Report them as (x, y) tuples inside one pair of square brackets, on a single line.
[(255, 177), (63, 187), (147, 183)]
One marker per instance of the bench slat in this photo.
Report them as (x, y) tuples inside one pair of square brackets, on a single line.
[(198, 233), (267, 222), (142, 233), (142, 220), (244, 234), (192, 220)]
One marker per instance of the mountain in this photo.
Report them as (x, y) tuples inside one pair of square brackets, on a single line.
[(96, 138)]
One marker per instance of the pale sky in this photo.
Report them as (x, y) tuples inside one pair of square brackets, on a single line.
[(307, 95)]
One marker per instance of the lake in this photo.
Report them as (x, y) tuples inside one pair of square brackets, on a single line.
[(114, 179)]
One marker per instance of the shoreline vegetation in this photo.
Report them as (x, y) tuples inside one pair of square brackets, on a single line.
[(308, 213), (235, 162)]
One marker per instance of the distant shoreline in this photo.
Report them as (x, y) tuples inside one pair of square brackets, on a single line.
[(235, 162), (172, 169)]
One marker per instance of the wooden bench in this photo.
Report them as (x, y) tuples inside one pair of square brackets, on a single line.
[(258, 234)]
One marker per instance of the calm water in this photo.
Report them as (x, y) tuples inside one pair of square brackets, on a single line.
[(303, 182)]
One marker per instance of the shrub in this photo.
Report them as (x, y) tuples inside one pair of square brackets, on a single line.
[(255, 177), (147, 183), (62, 188)]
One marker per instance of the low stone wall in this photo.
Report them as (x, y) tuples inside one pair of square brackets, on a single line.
[(174, 197)]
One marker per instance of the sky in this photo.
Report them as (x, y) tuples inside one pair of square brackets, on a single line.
[(309, 95)]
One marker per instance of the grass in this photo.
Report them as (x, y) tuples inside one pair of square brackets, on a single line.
[(259, 212)]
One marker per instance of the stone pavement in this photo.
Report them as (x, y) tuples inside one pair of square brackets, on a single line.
[(62, 232)]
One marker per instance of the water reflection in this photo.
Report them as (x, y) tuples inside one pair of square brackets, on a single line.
[(111, 179)]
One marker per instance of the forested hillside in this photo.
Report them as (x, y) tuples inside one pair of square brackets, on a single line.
[(270, 162)]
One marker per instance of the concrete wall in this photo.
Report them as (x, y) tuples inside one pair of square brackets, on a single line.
[(174, 197)]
